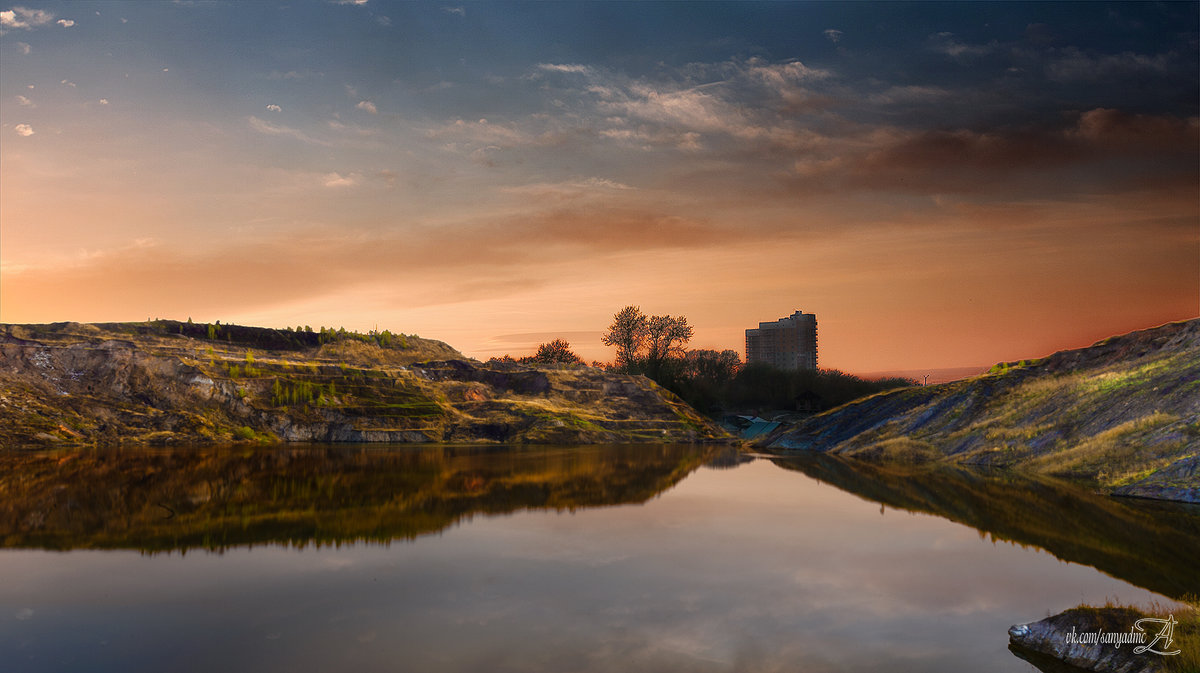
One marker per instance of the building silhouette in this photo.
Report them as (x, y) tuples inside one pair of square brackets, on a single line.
[(788, 343)]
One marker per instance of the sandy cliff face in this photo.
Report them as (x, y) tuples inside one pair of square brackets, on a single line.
[(166, 383), (1124, 413)]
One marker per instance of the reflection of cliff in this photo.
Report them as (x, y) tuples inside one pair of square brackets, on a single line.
[(214, 498), (1151, 544)]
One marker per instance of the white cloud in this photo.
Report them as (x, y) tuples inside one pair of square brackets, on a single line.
[(25, 48), (26, 19), (69, 83), (25, 101), (383, 21), (24, 130), (833, 34), (104, 101), (274, 108), (65, 23), (342, 127), (483, 133), (275, 130), (750, 99), (565, 67), (455, 10), (338, 180), (688, 109), (784, 78), (357, 3), (367, 106)]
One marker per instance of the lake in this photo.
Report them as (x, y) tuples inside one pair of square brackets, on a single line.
[(469, 558)]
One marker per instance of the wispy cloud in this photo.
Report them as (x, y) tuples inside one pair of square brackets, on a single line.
[(482, 132), (570, 190), (458, 11), (946, 43), (65, 23), (565, 67), (1073, 64), (367, 106), (501, 260), (266, 127), (294, 75), (760, 123), (746, 100), (910, 94), (24, 130), (25, 48), (338, 180), (25, 101), (274, 108), (833, 34)]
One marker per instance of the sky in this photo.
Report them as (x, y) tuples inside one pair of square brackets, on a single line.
[(943, 185)]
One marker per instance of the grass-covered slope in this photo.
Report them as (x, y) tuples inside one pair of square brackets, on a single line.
[(1123, 413), (170, 382)]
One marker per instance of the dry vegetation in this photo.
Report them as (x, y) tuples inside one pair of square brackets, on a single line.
[(169, 382), (1117, 617)]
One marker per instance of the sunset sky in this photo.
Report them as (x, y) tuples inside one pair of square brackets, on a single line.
[(944, 185)]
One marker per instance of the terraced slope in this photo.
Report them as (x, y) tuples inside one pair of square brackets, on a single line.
[(168, 382)]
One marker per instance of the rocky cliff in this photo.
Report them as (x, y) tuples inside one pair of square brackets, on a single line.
[(166, 382), (1123, 414)]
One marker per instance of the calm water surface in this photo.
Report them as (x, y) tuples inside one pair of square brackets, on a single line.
[(560, 559)]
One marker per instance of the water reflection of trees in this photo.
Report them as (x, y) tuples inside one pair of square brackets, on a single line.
[(214, 498), (1151, 544)]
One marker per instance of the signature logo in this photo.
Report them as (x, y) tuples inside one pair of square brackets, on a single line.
[(1165, 634), (1137, 634)]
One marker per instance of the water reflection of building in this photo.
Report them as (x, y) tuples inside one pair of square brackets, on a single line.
[(788, 343)]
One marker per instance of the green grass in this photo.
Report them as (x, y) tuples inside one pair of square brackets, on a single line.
[(249, 434), (1116, 454)]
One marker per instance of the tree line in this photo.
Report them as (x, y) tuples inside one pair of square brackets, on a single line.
[(712, 381)]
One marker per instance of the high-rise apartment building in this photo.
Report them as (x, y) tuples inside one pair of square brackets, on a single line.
[(788, 343)]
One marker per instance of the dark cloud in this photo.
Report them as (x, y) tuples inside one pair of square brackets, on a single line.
[(1100, 151)]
